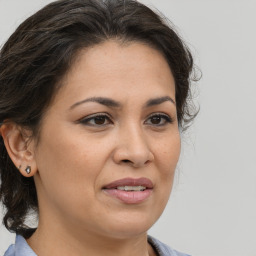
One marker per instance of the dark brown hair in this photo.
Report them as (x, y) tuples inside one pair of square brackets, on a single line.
[(41, 51)]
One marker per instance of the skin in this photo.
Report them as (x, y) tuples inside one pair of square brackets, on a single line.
[(75, 156)]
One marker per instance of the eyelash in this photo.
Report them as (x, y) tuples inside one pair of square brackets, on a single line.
[(86, 120), (105, 117), (167, 118)]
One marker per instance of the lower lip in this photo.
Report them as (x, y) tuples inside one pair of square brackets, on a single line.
[(129, 197)]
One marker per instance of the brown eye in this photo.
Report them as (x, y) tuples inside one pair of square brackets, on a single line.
[(158, 120), (96, 120), (100, 120)]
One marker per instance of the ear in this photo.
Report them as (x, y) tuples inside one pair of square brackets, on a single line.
[(20, 148)]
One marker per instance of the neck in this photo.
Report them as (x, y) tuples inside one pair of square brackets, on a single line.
[(53, 240)]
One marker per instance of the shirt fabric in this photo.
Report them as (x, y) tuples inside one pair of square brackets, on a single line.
[(21, 248)]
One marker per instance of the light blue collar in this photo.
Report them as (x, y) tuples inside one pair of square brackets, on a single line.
[(21, 248)]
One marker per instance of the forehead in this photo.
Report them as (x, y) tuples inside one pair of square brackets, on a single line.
[(112, 67)]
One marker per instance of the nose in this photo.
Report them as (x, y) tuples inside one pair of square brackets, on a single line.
[(132, 148)]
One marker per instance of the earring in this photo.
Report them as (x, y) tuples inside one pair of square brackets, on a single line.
[(28, 169)]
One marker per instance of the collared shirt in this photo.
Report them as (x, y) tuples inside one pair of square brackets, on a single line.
[(21, 248)]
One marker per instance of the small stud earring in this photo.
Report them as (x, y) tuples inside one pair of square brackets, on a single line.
[(28, 169)]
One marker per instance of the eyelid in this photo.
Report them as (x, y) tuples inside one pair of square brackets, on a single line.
[(167, 118), (158, 114), (85, 120)]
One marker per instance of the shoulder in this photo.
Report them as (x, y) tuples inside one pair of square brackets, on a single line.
[(20, 248), (163, 249)]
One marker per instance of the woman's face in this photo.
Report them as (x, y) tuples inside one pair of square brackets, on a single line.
[(109, 143)]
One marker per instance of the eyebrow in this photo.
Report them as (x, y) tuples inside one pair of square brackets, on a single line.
[(101, 100), (115, 104), (157, 101)]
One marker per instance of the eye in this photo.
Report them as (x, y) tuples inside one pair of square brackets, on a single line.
[(96, 120), (158, 119)]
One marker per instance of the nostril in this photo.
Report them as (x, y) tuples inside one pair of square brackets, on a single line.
[(126, 161), (147, 162)]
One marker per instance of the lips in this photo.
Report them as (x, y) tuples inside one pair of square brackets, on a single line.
[(129, 190), (130, 182)]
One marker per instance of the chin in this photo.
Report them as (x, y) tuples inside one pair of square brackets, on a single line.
[(131, 226), (127, 232)]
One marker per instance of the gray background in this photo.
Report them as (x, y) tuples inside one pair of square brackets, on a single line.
[(212, 210)]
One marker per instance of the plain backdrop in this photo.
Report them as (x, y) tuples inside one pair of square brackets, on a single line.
[(212, 209)]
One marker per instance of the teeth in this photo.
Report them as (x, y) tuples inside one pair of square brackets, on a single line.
[(131, 188)]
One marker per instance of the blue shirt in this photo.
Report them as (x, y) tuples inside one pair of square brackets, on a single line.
[(21, 248)]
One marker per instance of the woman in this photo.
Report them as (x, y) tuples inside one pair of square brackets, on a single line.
[(94, 95)]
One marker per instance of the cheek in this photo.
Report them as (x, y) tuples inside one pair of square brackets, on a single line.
[(68, 169), (167, 153), (167, 156)]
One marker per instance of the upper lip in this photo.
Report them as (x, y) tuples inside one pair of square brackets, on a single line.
[(145, 182)]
